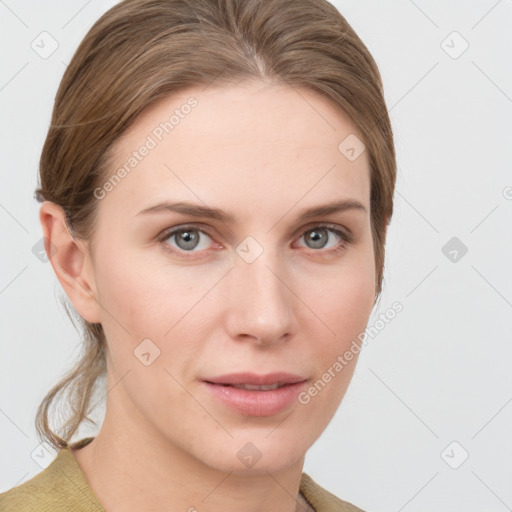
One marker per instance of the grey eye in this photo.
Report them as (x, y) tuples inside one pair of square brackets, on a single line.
[(317, 237), (187, 239)]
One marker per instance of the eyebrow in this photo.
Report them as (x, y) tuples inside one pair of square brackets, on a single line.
[(197, 210)]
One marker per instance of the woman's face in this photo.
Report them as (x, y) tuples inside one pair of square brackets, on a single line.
[(237, 297)]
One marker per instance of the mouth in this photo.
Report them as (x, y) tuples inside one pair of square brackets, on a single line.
[(253, 379), (256, 395), (254, 387)]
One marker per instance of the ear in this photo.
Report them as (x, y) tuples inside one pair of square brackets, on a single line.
[(71, 261)]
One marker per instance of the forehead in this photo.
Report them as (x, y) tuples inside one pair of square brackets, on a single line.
[(238, 146)]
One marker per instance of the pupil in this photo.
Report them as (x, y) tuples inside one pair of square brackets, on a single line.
[(187, 239), (318, 237)]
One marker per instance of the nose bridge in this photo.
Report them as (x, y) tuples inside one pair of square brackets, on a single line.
[(260, 303)]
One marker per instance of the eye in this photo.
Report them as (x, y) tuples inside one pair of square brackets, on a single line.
[(186, 239), (325, 236)]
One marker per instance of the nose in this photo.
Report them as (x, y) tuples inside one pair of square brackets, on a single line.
[(260, 303)]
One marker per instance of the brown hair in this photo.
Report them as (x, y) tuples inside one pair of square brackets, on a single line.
[(142, 50)]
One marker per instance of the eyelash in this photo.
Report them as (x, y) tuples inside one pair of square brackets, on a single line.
[(346, 239)]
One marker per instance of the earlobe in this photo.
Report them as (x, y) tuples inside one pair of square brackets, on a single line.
[(71, 261)]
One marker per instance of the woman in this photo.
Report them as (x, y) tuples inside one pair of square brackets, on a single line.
[(216, 186)]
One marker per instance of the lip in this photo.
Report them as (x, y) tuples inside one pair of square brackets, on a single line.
[(255, 379), (256, 402)]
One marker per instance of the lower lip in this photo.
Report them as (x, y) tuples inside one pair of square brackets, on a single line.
[(257, 403)]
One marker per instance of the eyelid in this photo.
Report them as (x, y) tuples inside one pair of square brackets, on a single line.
[(346, 232), (167, 232), (346, 235)]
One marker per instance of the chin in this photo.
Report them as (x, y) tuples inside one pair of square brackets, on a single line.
[(257, 453)]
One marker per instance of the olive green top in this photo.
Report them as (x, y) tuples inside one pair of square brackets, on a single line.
[(62, 486)]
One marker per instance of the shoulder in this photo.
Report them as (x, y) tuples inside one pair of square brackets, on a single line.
[(35, 494), (321, 499), (58, 488)]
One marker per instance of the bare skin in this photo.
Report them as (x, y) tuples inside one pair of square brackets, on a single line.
[(263, 153)]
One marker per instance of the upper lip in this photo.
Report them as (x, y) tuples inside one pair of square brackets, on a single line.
[(255, 379)]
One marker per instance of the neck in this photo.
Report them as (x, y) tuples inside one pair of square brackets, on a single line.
[(130, 470)]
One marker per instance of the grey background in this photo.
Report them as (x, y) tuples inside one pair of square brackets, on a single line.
[(440, 371)]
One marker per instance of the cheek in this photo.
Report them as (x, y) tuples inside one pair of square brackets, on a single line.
[(346, 296), (344, 306), (137, 292), (146, 299), (124, 291), (354, 303)]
